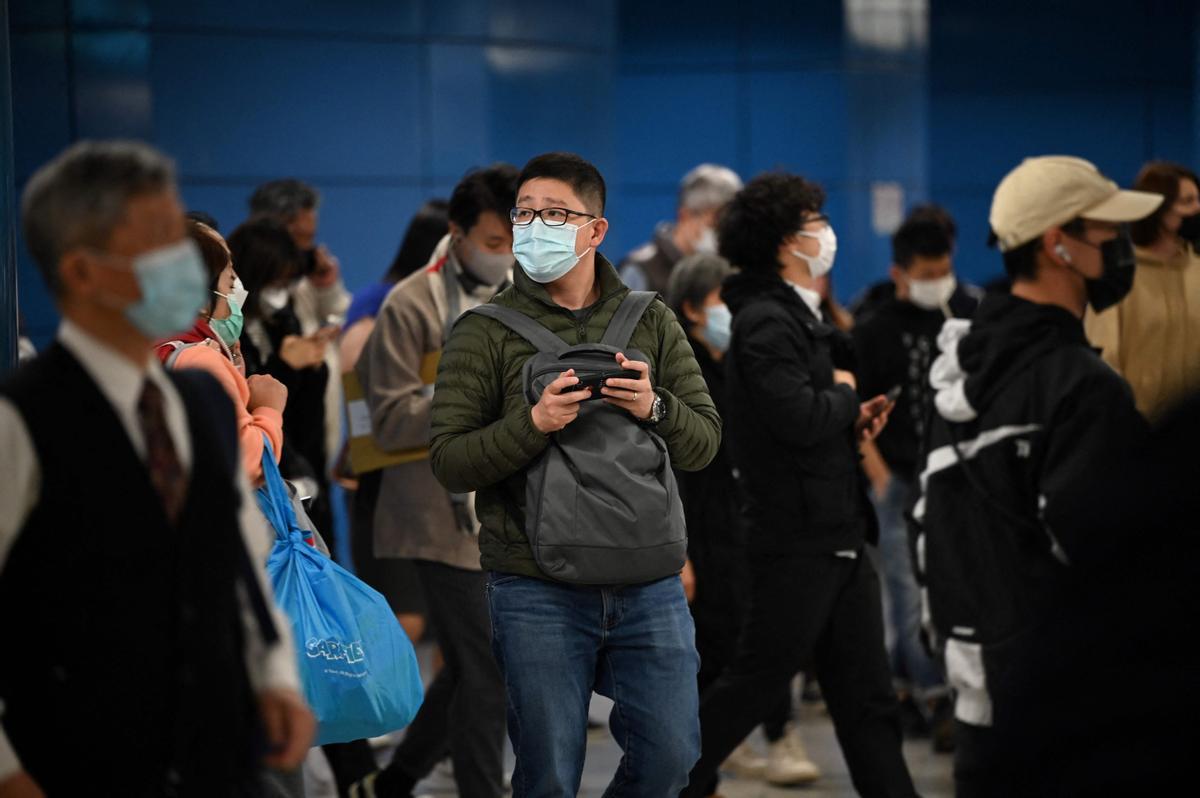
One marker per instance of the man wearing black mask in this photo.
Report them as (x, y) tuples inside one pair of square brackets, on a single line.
[(1027, 419)]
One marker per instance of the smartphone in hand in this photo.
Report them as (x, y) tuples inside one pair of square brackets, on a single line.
[(596, 380)]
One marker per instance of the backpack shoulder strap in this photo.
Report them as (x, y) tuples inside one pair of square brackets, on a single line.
[(542, 339), (626, 319)]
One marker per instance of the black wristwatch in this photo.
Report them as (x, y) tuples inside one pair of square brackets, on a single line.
[(658, 410)]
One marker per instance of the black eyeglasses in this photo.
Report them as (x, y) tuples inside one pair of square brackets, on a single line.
[(551, 217)]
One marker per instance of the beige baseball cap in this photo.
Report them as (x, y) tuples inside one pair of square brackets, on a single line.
[(1051, 190)]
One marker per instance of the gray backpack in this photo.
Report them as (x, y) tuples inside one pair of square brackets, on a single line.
[(601, 503)]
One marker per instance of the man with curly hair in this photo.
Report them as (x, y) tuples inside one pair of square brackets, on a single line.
[(794, 440)]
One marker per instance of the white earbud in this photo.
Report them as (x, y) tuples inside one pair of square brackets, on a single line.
[(1061, 251)]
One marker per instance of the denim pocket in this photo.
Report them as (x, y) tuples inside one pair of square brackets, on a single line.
[(496, 580)]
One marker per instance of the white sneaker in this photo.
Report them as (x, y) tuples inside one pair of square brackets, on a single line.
[(788, 764), (744, 761)]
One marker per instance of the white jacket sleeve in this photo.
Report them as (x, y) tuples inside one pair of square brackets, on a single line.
[(20, 482), (269, 666)]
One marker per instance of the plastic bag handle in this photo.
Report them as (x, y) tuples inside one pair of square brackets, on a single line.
[(273, 497)]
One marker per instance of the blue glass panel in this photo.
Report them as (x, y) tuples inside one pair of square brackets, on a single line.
[(363, 226), (798, 122), (460, 109), (233, 106), (113, 96), (134, 13), (551, 99), (787, 32), (668, 123), (41, 113), (678, 32), (589, 25), (316, 16), (977, 138)]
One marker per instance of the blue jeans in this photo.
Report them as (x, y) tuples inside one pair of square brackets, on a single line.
[(557, 643), (902, 594)]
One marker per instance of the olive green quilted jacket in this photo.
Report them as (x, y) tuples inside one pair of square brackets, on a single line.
[(483, 438)]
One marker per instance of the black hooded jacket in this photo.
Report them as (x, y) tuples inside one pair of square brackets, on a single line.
[(790, 427), (895, 345), (1027, 419)]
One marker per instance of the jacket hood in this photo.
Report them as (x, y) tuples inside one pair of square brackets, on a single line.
[(1007, 335)]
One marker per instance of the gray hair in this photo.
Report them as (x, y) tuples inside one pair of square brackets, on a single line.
[(80, 196), (708, 186), (692, 280), (282, 200)]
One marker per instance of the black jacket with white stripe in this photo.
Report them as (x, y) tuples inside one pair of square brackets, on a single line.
[(1027, 419)]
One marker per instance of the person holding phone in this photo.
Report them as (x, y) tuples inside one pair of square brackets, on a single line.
[(317, 298), (273, 341), (895, 342), (795, 443)]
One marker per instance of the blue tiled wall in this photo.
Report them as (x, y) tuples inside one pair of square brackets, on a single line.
[(1112, 82), (941, 98), (384, 104), (380, 105), (759, 86)]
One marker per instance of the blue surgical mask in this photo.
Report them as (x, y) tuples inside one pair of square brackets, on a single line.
[(718, 322), (546, 253), (174, 288)]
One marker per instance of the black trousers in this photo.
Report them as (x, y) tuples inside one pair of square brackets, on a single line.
[(824, 610), (464, 709), (394, 577), (719, 611)]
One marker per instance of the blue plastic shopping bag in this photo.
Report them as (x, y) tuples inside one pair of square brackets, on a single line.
[(357, 666)]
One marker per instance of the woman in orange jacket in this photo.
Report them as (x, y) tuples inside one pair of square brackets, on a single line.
[(212, 346)]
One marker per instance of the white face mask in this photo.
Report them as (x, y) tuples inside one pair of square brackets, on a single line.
[(489, 268), (820, 265), (932, 294), (274, 300), (238, 292), (706, 244)]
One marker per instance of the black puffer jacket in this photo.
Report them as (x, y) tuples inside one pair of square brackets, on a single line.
[(790, 427)]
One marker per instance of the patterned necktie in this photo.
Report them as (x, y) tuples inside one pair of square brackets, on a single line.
[(166, 472)]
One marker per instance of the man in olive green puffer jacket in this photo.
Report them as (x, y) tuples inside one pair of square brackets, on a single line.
[(558, 642)]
